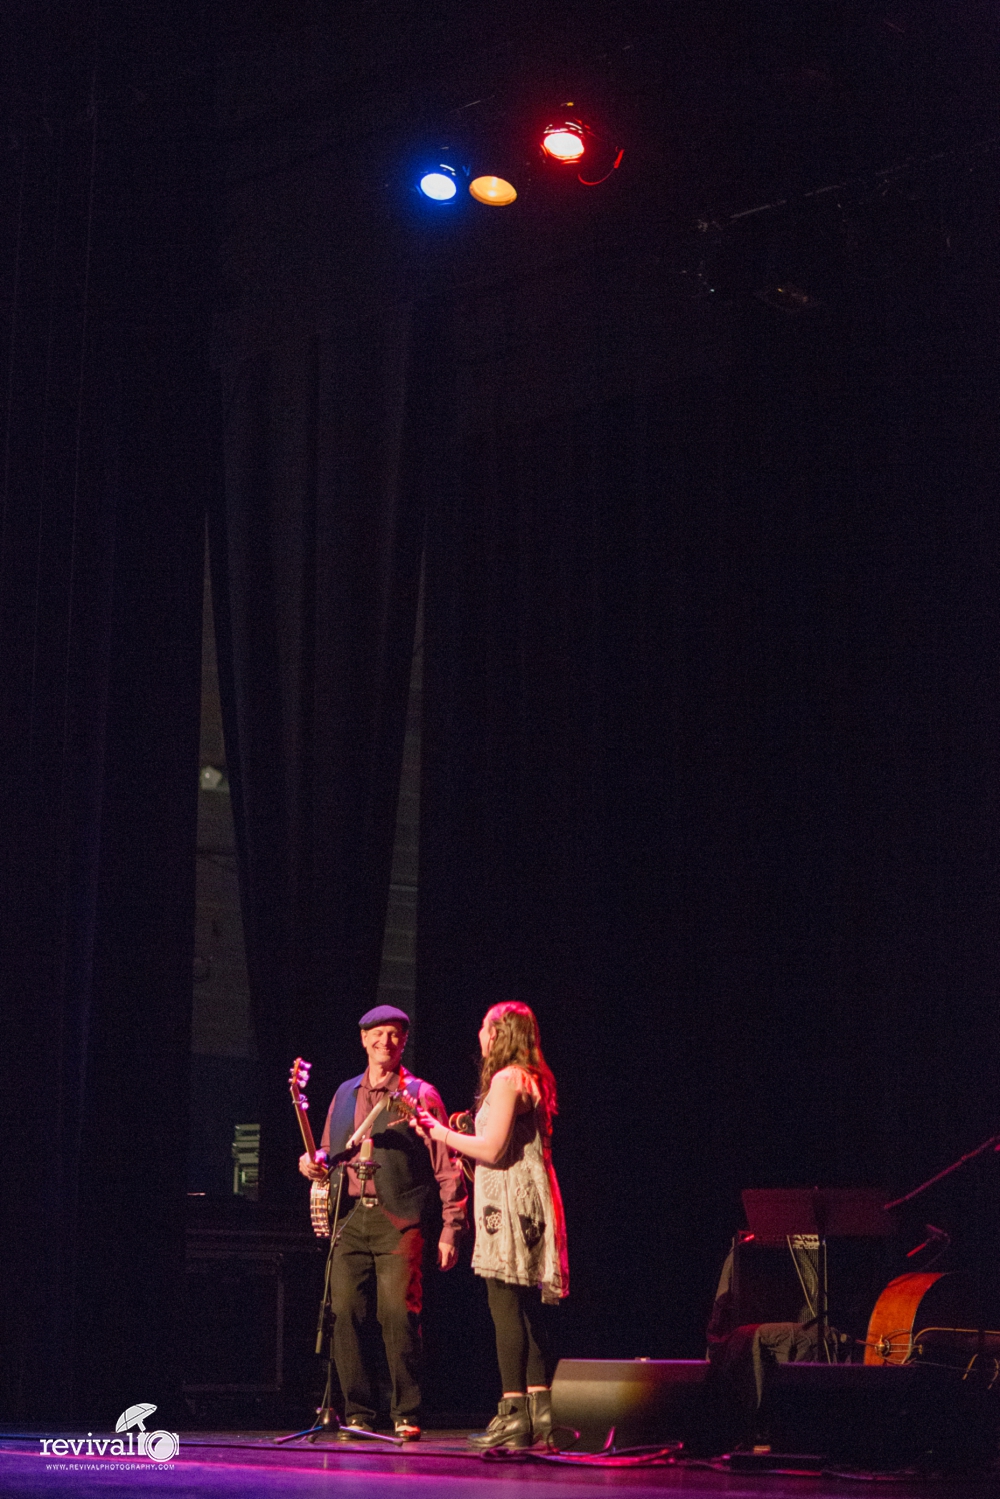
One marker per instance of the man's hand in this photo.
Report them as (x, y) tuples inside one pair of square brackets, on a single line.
[(316, 1170), (447, 1254)]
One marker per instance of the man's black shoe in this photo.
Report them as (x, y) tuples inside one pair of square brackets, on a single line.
[(351, 1425)]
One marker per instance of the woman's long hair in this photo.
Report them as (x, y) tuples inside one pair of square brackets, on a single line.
[(516, 1043)]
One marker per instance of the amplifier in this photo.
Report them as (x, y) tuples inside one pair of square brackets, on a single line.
[(768, 1280)]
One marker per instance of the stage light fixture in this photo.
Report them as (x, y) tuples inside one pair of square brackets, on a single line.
[(496, 192), (439, 184), (564, 141)]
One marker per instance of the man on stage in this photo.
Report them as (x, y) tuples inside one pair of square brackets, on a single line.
[(381, 1241)]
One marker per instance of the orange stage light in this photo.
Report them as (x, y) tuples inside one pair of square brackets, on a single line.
[(495, 191)]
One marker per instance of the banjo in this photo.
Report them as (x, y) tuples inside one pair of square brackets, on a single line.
[(319, 1191)]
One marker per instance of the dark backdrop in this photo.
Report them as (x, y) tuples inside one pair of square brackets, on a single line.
[(108, 461), (316, 550), (709, 759), (710, 741)]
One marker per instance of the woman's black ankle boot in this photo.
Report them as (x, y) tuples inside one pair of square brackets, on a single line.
[(510, 1427), (540, 1411)]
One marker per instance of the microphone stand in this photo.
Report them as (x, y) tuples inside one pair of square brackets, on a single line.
[(970, 1155), (328, 1422)]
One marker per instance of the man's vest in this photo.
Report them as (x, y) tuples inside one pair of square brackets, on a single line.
[(405, 1182)]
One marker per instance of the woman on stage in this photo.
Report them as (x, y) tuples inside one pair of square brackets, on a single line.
[(520, 1228)]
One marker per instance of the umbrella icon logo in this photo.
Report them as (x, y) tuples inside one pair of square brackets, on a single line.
[(161, 1446), (136, 1415)]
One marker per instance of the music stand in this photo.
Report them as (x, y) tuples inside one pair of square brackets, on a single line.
[(823, 1213)]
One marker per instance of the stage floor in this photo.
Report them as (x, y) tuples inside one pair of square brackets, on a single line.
[(440, 1467)]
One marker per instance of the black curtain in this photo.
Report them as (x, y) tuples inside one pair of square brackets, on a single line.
[(108, 457), (710, 747), (711, 729), (316, 557), (709, 743)]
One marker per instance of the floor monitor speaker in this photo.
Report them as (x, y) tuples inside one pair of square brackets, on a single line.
[(647, 1402)]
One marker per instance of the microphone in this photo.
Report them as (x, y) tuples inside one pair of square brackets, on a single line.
[(935, 1236)]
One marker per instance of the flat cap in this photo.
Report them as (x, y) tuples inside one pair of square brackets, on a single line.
[(385, 1015)]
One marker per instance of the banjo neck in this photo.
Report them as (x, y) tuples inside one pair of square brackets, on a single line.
[(297, 1082)]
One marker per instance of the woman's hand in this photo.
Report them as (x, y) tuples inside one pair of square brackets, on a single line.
[(425, 1125)]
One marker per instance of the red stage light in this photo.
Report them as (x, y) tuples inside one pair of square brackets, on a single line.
[(564, 142)]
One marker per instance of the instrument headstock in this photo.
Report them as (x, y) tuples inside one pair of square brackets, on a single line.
[(406, 1105), (298, 1079)]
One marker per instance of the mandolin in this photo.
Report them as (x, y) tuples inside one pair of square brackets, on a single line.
[(464, 1123)]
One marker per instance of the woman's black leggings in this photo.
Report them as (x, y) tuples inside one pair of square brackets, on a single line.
[(522, 1336)]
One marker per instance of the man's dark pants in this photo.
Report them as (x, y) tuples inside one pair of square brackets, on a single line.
[(371, 1249)]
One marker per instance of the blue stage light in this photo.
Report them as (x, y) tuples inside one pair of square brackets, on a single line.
[(439, 185)]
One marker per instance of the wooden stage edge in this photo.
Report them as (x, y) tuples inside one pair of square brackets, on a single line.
[(441, 1466)]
